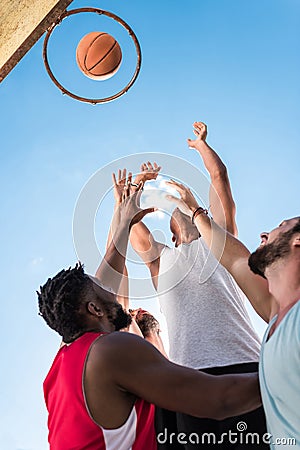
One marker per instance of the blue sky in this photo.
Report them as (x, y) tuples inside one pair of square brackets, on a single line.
[(233, 64)]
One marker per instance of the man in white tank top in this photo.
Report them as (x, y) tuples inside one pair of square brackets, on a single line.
[(208, 326)]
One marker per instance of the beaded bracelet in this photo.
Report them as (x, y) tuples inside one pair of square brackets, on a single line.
[(198, 211)]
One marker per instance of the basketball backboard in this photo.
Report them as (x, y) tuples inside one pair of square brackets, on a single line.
[(22, 23)]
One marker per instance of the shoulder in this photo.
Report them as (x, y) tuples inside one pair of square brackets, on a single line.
[(115, 343), (295, 310), (292, 317), (121, 354), (117, 348)]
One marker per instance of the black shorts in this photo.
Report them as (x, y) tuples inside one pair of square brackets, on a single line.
[(241, 432)]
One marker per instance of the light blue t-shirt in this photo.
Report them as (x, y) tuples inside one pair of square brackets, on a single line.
[(279, 376)]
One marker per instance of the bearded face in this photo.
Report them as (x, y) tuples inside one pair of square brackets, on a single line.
[(268, 254), (114, 311), (117, 316), (122, 319)]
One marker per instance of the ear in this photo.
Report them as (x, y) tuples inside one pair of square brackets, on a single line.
[(94, 309), (296, 240)]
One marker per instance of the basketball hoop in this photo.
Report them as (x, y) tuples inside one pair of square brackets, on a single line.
[(100, 12)]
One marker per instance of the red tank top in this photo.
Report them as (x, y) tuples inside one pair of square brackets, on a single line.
[(69, 423)]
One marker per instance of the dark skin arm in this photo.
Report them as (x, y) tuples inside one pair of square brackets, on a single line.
[(122, 367)]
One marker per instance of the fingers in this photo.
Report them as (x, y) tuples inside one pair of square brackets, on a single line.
[(133, 312), (149, 167), (138, 193), (178, 186), (130, 190), (149, 210), (199, 126), (126, 192), (200, 131), (173, 199), (178, 202), (141, 214), (121, 177)]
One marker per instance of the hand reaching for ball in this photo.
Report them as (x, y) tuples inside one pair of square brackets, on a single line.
[(200, 131)]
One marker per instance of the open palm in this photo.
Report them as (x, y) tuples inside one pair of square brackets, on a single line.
[(119, 184), (148, 172)]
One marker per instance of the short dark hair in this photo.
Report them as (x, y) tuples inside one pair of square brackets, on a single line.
[(59, 302), (147, 324)]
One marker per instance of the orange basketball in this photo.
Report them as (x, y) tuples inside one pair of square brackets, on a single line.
[(98, 55)]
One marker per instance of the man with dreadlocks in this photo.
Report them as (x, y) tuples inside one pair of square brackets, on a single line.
[(102, 385), (270, 278)]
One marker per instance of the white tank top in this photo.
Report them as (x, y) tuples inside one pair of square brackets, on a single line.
[(208, 324)]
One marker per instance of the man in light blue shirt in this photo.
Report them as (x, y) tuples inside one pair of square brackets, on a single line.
[(278, 260), (270, 278)]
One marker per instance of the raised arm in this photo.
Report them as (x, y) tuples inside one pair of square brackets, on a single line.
[(141, 239), (232, 254), (220, 196), (136, 367), (111, 269), (119, 184)]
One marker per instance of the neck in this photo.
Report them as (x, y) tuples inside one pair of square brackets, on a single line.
[(88, 330), (284, 282), (100, 327)]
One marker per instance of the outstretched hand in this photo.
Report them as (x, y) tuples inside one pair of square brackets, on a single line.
[(120, 184), (129, 207), (187, 202), (148, 172), (200, 131)]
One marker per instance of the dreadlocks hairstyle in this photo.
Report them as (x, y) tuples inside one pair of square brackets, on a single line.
[(59, 302)]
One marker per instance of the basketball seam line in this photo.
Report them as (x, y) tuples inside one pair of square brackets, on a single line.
[(103, 57), (84, 61)]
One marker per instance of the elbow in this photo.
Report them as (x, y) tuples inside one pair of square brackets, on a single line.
[(226, 400), (221, 412), (220, 172), (241, 396), (221, 407)]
